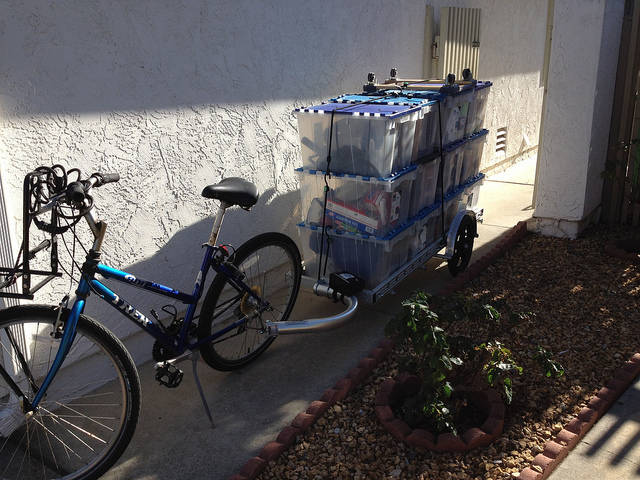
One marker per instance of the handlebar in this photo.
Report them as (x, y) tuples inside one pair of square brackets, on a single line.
[(107, 178), (76, 191)]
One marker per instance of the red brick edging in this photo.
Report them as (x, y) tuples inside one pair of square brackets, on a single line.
[(316, 409), (272, 450), (406, 385), (557, 449)]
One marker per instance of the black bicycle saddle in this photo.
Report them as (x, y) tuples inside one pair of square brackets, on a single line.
[(234, 191)]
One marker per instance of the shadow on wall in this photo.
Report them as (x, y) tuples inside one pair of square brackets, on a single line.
[(103, 56), (174, 95), (176, 264)]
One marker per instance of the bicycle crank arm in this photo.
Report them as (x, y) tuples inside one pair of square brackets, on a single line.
[(318, 324), (175, 360)]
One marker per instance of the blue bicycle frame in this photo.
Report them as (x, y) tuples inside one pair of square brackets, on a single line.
[(179, 343)]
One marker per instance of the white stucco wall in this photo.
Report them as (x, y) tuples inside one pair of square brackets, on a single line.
[(512, 41), (586, 38), (177, 95)]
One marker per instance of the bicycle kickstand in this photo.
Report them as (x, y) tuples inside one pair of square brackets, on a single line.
[(194, 363)]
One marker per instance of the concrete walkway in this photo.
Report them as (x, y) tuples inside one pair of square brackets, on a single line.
[(251, 406), (611, 449)]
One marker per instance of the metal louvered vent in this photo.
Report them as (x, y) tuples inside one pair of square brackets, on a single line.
[(459, 41), (501, 141)]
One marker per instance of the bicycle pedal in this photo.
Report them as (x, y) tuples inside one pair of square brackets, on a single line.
[(169, 375)]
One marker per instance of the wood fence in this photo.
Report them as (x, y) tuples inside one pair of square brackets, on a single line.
[(621, 192)]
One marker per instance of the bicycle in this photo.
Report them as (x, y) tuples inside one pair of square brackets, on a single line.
[(54, 423)]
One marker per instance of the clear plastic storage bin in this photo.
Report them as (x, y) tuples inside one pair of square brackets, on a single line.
[(452, 204), (423, 193), (370, 139), (452, 158), (371, 258), (428, 228), (427, 127), (427, 139), (464, 197), (355, 203), (473, 155), (454, 109), (472, 191), (478, 108)]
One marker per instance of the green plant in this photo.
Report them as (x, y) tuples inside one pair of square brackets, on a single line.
[(499, 367), (550, 366), (446, 360)]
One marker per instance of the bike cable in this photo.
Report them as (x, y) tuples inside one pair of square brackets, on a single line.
[(327, 174)]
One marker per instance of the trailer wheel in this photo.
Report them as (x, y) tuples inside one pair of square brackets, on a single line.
[(463, 246)]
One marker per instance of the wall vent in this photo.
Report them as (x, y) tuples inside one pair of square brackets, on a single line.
[(501, 141), (459, 41)]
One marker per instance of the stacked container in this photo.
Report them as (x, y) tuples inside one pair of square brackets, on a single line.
[(478, 108), (382, 206), (367, 139), (464, 197), (371, 258), (426, 140), (472, 155), (355, 203), (428, 228), (455, 106), (424, 189)]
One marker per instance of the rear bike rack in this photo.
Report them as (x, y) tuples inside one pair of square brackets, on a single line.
[(22, 270)]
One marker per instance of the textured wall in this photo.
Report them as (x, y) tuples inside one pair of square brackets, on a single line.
[(582, 72), (512, 39), (174, 95)]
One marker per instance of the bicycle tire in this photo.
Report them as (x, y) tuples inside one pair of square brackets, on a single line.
[(463, 246), (75, 434), (218, 353)]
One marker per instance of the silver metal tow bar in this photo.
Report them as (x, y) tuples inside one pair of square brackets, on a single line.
[(318, 324)]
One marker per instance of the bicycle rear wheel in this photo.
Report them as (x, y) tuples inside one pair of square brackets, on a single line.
[(90, 411), (272, 268)]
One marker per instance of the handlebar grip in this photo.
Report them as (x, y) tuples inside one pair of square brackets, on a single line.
[(110, 177), (75, 192)]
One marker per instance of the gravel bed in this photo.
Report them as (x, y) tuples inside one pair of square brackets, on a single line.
[(586, 306)]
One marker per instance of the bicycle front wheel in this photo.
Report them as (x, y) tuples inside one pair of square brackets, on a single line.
[(89, 412), (272, 268)]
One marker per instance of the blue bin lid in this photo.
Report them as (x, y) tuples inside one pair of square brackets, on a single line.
[(360, 235), (479, 133), (419, 94), (348, 98), (426, 211), (450, 147), (473, 180), (391, 99), (362, 110), (407, 100), (480, 85), (389, 178), (454, 193)]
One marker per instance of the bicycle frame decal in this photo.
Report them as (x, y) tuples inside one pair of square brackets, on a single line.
[(109, 272), (129, 310)]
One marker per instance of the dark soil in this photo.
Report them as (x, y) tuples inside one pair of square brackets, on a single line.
[(467, 414)]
